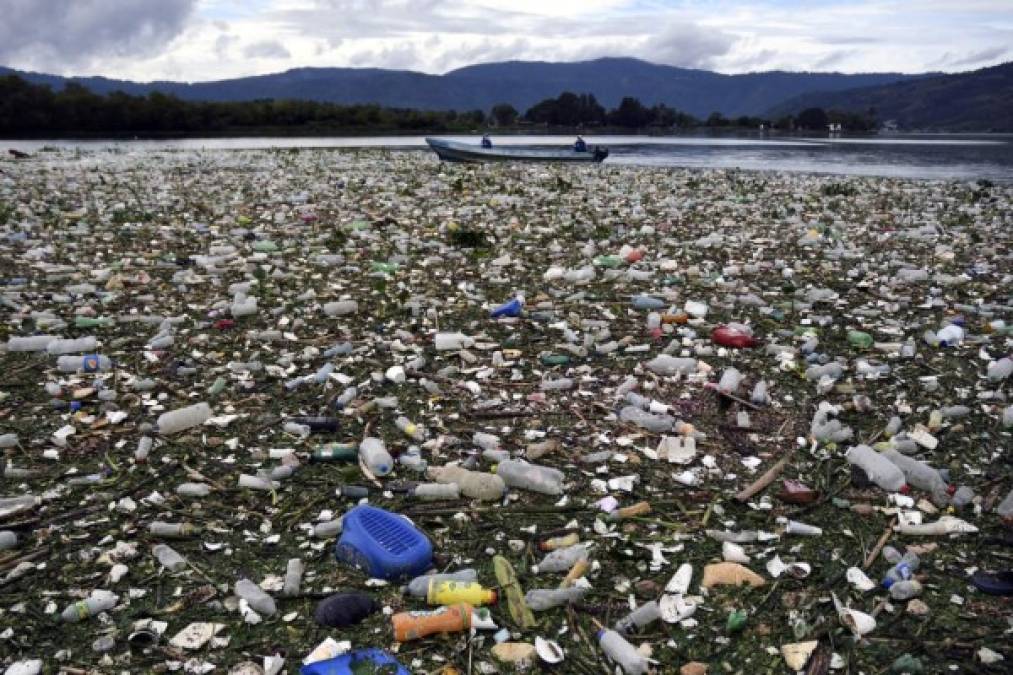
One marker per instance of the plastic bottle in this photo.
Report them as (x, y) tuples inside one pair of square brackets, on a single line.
[(335, 452), (759, 395), (622, 652), (319, 423), (903, 568), (409, 429), (561, 560), (341, 308), (905, 590), (1007, 417), (534, 477), (419, 586), (31, 343), (8, 539), (193, 490), (473, 484), (511, 308), (665, 364), (452, 341), (293, 577), (88, 363), (347, 396), (859, 339), (327, 529), (541, 599), (733, 338), (257, 483), (175, 421), (259, 601), (96, 604), (917, 474), (999, 370), (560, 542), (650, 422), (71, 346), (436, 491), (171, 530), (450, 592), (558, 384), (374, 455), (8, 441), (168, 557), (642, 616), (647, 302), (453, 619), (730, 380), (879, 469), (1005, 507)]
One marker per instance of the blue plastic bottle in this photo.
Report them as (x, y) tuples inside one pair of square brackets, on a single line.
[(384, 545), (512, 308)]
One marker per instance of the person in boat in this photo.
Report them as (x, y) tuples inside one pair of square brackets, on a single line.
[(580, 145), (486, 141)]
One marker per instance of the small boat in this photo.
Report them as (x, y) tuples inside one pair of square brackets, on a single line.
[(453, 151)]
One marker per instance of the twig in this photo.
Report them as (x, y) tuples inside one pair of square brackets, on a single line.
[(767, 478), (879, 545)]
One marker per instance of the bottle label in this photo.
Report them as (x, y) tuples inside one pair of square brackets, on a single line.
[(82, 610), (409, 429), (89, 363)]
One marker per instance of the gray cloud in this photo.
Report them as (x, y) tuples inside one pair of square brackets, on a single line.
[(832, 58), (686, 45), (63, 34), (266, 49)]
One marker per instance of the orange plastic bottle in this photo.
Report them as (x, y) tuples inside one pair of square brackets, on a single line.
[(415, 625)]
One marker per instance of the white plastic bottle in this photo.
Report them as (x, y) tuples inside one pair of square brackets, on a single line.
[(655, 423), (622, 652), (473, 484), (430, 492), (259, 601), (99, 602), (193, 490), (665, 364), (534, 477), (341, 308), (175, 421), (72, 346), (452, 341), (730, 380), (293, 577), (374, 455), (410, 429), (879, 469), (257, 482), (541, 599), (1000, 370), (419, 586)]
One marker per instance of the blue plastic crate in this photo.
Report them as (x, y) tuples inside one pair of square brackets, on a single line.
[(382, 544)]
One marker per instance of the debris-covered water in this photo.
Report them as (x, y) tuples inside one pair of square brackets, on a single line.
[(769, 412)]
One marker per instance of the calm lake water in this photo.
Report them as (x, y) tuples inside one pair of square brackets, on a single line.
[(928, 156)]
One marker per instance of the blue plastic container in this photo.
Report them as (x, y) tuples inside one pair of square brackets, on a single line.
[(359, 661), (384, 545)]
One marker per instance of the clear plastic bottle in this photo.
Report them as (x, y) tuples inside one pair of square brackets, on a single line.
[(409, 429), (642, 616), (347, 396), (89, 363), (917, 474), (293, 577), (558, 384), (905, 590), (534, 477), (194, 490), (374, 455), (175, 421), (8, 440), (903, 568), (72, 346), (561, 560), (171, 530), (168, 557), (419, 586), (251, 482), (259, 601), (31, 343), (1000, 370), (665, 364), (8, 539), (541, 599), (879, 469), (623, 653), (645, 420), (730, 380)]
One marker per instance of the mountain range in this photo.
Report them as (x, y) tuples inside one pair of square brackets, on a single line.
[(980, 100), (520, 83)]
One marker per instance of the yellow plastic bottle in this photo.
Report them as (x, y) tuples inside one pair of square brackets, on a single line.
[(453, 592)]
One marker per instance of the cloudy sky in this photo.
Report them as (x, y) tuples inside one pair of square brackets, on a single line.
[(213, 39)]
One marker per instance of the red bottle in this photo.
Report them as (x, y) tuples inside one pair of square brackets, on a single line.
[(735, 339)]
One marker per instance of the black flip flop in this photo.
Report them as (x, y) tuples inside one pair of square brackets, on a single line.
[(993, 583)]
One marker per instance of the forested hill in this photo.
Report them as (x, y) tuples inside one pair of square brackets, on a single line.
[(519, 83), (979, 100)]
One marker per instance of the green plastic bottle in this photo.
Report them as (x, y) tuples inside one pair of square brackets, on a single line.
[(609, 261), (336, 452), (384, 267), (92, 322), (859, 339), (554, 359)]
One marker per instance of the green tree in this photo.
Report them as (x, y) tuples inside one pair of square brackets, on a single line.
[(631, 114), (812, 118), (503, 114)]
